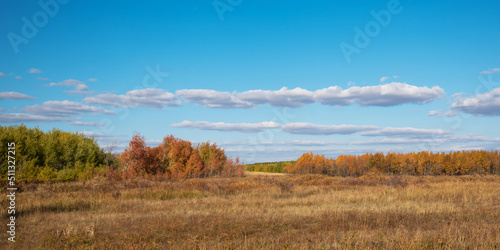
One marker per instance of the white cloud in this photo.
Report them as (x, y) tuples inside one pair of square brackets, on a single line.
[(64, 108), (66, 83), (152, 98), (407, 132), (490, 71), (91, 124), (393, 141), (18, 77), (284, 97), (487, 104), (42, 78), (80, 87), (221, 126), (282, 143), (292, 128), (21, 117), (215, 99), (15, 95), (314, 129), (212, 98), (34, 71), (2, 74), (383, 79), (304, 128), (459, 148), (469, 138), (441, 139), (434, 113), (381, 95), (92, 79), (390, 94), (334, 95)]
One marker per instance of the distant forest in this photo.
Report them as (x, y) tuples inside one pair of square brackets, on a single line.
[(421, 163)]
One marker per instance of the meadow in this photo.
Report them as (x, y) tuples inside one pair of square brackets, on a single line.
[(260, 211)]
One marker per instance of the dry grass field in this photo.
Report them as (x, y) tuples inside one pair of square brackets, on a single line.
[(261, 211)]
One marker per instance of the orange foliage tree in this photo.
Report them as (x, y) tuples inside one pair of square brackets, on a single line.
[(421, 163), (309, 163)]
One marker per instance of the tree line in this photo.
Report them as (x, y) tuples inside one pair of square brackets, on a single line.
[(421, 163), (57, 155), (273, 167), (51, 156)]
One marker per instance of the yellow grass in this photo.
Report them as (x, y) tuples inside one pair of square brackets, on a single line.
[(261, 212), (252, 173)]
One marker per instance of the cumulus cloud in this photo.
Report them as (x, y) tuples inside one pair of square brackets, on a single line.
[(281, 143), (284, 97), (212, 98), (66, 83), (292, 128), (407, 132), (15, 95), (64, 109), (2, 74), (80, 87), (34, 71), (314, 129), (304, 128), (487, 104), (390, 94), (221, 126), (490, 71), (393, 141), (21, 117), (152, 98)]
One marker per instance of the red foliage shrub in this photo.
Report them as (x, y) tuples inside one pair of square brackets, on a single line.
[(177, 159)]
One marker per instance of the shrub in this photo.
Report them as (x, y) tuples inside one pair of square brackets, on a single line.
[(47, 174), (66, 174), (176, 159)]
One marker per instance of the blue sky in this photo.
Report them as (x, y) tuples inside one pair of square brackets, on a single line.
[(267, 81)]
